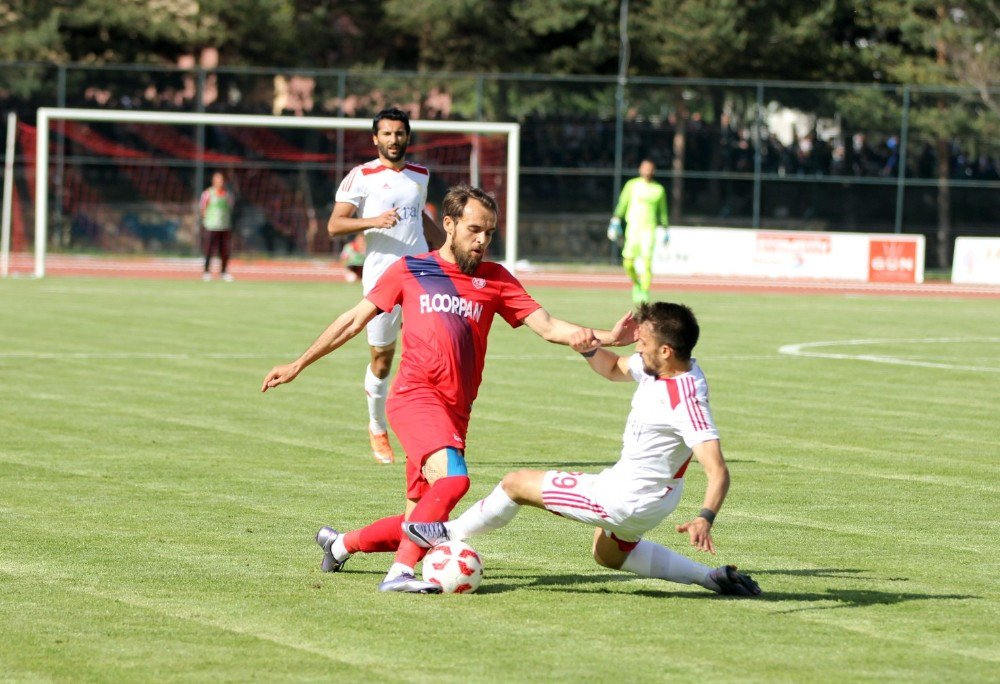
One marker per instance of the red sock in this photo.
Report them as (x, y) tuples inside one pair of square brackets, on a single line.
[(435, 505), (381, 535)]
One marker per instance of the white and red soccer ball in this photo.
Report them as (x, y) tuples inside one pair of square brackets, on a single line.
[(455, 566)]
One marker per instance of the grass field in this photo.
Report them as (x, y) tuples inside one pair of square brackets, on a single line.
[(157, 512)]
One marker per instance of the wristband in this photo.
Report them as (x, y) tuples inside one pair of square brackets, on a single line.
[(708, 514), (588, 354)]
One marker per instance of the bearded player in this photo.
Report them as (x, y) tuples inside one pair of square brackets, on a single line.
[(385, 198), (449, 299)]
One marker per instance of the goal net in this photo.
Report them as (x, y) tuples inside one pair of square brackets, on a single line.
[(118, 183)]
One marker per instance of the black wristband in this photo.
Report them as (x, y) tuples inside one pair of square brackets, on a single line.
[(588, 354), (708, 514)]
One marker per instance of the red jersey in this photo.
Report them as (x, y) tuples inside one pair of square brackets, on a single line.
[(447, 316)]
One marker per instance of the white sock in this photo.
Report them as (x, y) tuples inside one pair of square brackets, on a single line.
[(398, 569), (375, 389), (486, 515), (338, 549), (652, 560)]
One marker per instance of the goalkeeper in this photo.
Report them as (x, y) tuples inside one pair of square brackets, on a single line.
[(643, 206)]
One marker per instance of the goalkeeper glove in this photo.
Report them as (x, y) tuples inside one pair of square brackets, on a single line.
[(615, 229), (665, 232)]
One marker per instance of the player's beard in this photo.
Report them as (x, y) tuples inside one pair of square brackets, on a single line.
[(396, 156), (466, 260)]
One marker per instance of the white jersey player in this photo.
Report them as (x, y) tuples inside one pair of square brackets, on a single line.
[(385, 198), (374, 189), (669, 423)]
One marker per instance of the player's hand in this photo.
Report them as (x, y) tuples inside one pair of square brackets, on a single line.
[(700, 531), (665, 232), (279, 375), (386, 219), (626, 331), (584, 340)]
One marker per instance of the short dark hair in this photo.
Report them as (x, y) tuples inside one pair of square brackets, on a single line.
[(673, 325), (393, 114), (459, 195)]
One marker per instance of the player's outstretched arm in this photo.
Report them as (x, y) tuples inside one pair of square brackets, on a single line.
[(606, 363), (347, 325), (558, 331), (709, 455)]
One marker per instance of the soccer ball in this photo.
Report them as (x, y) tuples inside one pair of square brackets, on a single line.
[(455, 566)]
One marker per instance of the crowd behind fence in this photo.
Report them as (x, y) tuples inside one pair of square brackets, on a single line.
[(732, 153)]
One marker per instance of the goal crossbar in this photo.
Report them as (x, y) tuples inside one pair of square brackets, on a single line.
[(47, 114)]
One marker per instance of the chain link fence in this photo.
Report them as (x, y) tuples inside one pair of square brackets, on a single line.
[(829, 157)]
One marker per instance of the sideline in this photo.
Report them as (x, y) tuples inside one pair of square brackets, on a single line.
[(328, 270)]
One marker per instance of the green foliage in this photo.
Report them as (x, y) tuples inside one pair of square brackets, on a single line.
[(767, 39), (840, 40), (250, 31), (157, 31), (567, 36), (158, 511), (926, 43), (339, 34), (29, 35), (870, 109), (448, 35)]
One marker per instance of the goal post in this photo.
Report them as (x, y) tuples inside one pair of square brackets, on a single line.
[(8, 189), (47, 115)]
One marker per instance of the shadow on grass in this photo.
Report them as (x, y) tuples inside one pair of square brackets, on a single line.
[(831, 597), (832, 573)]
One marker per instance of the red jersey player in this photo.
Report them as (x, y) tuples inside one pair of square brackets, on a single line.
[(449, 299)]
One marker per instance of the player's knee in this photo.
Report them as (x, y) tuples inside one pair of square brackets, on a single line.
[(509, 483), (514, 485), (381, 363)]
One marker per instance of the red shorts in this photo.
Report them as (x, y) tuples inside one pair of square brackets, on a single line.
[(423, 426)]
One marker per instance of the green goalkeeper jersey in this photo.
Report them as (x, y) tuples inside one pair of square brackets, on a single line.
[(643, 204)]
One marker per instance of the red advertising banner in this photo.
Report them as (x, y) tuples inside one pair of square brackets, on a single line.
[(892, 261)]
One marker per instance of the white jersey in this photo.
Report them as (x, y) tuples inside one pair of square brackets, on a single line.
[(669, 417), (375, 189)]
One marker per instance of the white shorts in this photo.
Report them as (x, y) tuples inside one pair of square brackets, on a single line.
[(384, 328), (601, 500)]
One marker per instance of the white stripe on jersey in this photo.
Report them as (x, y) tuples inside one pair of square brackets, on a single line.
[(349, 180), (695, 412)]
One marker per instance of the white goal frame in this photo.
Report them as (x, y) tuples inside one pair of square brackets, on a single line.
[(49, 114)]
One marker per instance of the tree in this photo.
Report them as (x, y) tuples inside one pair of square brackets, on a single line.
[(934, 43), (128, 31), (972, 44), (730, 39)]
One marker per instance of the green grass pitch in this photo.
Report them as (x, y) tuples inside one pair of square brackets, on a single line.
[(157, 512)]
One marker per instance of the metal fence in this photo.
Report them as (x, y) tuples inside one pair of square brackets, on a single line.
[(817, 156)]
